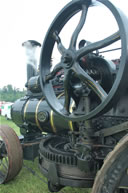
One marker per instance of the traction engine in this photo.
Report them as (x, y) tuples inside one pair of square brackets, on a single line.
[(74, 116)]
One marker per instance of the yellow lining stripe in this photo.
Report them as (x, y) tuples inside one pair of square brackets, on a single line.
[(71, 126), (25, 108), (70, 122), (90, 83), (51, 116), (36, 119), (52, 122)]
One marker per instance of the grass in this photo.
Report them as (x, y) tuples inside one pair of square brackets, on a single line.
[(26, 182)]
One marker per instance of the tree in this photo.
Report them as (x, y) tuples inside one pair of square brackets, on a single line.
[(10, 94)]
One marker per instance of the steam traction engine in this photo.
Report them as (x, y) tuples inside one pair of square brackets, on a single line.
[(74, 116)]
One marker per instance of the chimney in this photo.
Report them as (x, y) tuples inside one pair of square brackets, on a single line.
[(31, 47)]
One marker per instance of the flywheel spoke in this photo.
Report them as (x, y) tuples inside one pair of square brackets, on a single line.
[(98, 45), (60, 46), (79, 27), (84, 77), (67, 91)]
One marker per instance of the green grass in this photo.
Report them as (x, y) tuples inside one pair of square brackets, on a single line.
[(26, 182), (4, 121)]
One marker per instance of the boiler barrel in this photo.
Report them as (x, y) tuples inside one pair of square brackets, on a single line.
[(36, 112)]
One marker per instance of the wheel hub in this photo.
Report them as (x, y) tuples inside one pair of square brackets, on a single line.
[(68, 59)]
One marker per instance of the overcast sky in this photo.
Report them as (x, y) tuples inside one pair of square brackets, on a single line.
[(21, 20)]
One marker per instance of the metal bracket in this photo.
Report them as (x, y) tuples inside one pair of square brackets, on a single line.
[(112, 130)]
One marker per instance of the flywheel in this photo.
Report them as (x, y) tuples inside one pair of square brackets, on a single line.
[(11, 156), (71, 57)]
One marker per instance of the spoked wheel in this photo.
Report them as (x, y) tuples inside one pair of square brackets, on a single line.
[(71, 57), (108, 179), (10, 154)]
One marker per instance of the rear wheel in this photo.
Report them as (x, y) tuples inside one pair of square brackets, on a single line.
[(110, 176), (10, 154)]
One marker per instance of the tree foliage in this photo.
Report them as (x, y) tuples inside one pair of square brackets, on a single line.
[(10, 94)]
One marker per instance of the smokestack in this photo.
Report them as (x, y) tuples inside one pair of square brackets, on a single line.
[(31, 47)]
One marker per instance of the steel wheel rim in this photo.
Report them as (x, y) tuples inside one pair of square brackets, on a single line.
[(11, 154), (112, 171)]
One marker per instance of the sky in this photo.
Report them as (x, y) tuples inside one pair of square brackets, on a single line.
[(22, 20)]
